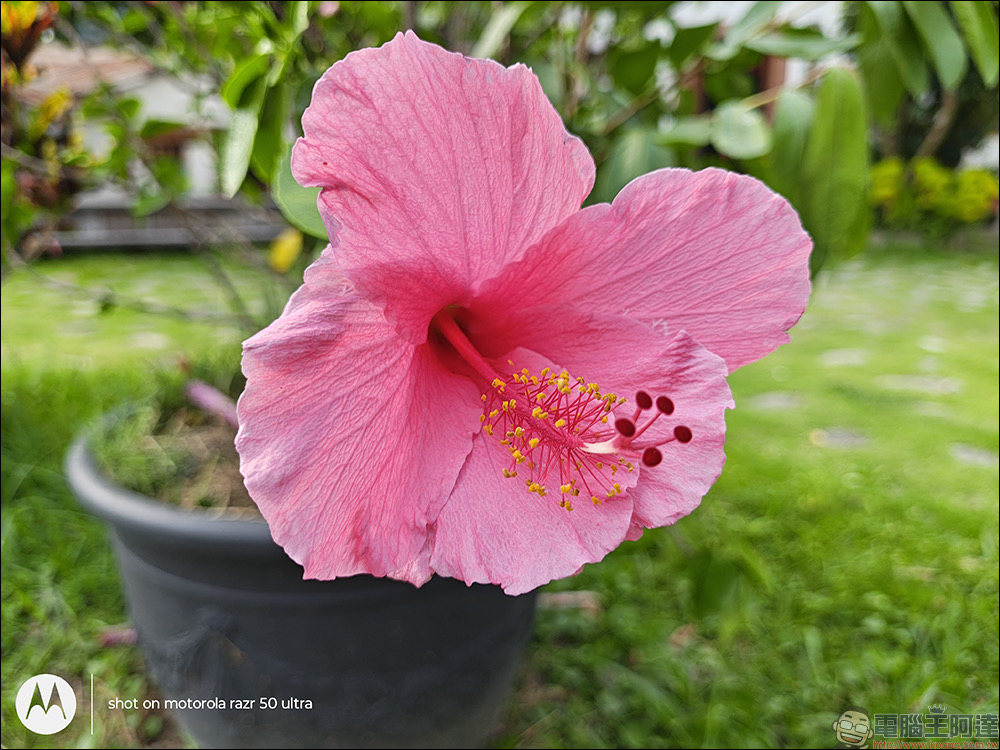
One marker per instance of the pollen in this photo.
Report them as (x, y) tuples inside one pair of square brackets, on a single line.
[(547, 417)]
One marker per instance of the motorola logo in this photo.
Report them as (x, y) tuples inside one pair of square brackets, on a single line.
[(46, 704)]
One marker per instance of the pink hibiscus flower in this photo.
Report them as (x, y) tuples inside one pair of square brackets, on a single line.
[(478, 378)]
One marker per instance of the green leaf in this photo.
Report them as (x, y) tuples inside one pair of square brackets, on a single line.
[(237, 145), (296, 203), (793, 117), (129, 107), (154, 128), (239, 85), (635, 152), (634, 70), (884, 90), (760, 15), (942, 41), (807, 44), (831, 195), (268, 141), (898, 34), (979, 25), (688, 42), (695, 130), (498, 28), (739, 132), (299, 18)]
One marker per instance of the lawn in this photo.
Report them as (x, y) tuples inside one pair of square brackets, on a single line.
[(848, 554)]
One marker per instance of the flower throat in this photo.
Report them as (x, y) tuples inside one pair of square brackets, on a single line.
[(559, 429)]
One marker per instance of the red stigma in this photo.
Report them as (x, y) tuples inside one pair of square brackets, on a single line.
[(643, 400), (625, 427), (665, 405), (651, 457), (682, 434)]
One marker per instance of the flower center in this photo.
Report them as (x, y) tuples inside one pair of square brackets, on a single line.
[(546, 422), (558, 429)]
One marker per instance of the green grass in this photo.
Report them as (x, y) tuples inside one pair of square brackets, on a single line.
[(848, 554)]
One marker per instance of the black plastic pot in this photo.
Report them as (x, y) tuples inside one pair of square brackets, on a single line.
[(223, 617)]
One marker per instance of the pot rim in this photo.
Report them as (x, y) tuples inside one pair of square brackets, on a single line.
[(128, 510)]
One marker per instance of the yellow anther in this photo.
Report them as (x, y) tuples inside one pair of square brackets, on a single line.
[(508, 473), (614, 469), (618, 487), (595, 500), (533, 442), (560, 422), (545, 371), (518, 431), (565, 488), (483, 397), (488, 428), (539, 413), (494, 413), (517, 456), (482, 417)]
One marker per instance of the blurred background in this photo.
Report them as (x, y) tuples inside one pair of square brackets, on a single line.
[(849, 553)]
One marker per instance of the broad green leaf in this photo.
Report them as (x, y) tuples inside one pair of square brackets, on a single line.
[(237, 144), (884, 90), (979, 25), (753, 23), (129, 107), (688, 42), (793, 116), (497, 29), (634, 70), (759, 16), (739, 132), (153, 128), (689, 131), (901, 38), (267, 141), (299, 17), (807, 44), (942, 41), (634, 153), (831, 194), (296, 203), (239, 85)]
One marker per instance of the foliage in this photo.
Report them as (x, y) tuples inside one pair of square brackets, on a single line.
[(926, 196), (642, 86), (930, 71), (43, 160)]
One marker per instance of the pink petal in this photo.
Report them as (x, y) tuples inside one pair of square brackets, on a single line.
[(494, 531), (438, 169), (713, 253), (350, 438)]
